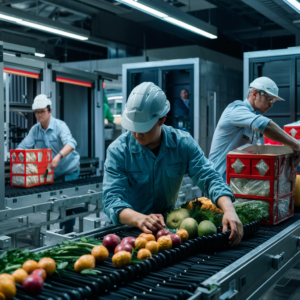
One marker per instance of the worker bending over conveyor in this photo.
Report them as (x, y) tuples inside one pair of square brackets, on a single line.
[(145, 166), (242, 123)]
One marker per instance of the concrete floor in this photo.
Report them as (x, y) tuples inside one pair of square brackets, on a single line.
[(287, 288)]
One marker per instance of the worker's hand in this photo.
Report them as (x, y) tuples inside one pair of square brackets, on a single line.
[(151, 223), (55, 161), (232, 221)]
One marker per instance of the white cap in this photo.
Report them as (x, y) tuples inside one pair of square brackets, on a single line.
[(267, 85), (41, 101), (146, 104)]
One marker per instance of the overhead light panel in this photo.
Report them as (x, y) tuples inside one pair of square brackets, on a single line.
[(144, 8), (36, 25), (190, 28), (39, 54), (171, 15), (115, 98), (293, 4)]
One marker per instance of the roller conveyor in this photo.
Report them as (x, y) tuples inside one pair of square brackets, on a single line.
[(178, 273), (11, 192)]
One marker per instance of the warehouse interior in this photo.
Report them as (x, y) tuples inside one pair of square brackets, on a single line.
[(85, 59)]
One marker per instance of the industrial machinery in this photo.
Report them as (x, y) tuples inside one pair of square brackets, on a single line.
[(202, 268), (282, 66), (209, 85)]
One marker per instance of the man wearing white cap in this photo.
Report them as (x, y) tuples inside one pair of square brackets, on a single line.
[(145, 167), (53, 134), (242, 123)]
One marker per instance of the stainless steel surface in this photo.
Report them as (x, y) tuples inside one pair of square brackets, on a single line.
[(257, 267), (5, 242), (90, 223), (56, 236), (22, 201), (74, 73)]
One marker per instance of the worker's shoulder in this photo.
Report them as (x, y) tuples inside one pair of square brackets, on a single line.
[(236, 105), (121, 143), (57, 123), (176, 135)]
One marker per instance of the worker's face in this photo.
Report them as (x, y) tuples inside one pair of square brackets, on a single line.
[(263, 102), (42, 114), (184, 94), (150, 137)]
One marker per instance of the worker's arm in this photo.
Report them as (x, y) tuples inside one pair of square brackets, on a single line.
[(29, 141), (67, 149), (275, 133), (107, 113), (67, 140), (115, 191), (203, 174)]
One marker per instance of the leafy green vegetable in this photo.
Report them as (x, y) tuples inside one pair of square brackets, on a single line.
[(90, 272)]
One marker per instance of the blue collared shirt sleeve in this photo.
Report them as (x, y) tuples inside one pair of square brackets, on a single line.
[(66, 136), (29, 141), (115, 185), (241, 116), (203, 174)]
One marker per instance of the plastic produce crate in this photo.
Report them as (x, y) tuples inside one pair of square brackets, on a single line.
[(264, 173), (27, 167)]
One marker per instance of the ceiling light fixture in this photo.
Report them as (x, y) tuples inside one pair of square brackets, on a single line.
[(167, 16), (190, 27), (42, 27), (115, 97), (39, 54), (293, 4)]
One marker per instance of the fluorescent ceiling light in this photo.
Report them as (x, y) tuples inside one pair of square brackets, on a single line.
[(167, 18), (9, 54), (42, 27), (294, 4), (39, 54), (145, 8), (115, 97), (190, 27)]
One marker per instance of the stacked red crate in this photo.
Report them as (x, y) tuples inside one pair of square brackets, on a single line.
[(28, 167), (264, 173)]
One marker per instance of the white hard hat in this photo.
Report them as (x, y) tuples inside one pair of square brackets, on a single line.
[(146, 104), (41, 101), (267, 85)]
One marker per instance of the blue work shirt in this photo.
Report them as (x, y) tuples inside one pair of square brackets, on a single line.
[(55, 137), (135, 178), (239, 124)]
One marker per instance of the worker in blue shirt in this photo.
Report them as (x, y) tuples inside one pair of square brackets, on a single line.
[(242, 123), (145, 166), (54, 134)]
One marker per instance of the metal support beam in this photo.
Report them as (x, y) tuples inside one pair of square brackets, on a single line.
[(2, 180)]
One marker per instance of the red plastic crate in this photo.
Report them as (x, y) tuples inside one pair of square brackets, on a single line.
[(277, 178), (27, 167), (293, 130)]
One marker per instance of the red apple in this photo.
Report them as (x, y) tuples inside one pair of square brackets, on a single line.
[(111, 241), (33, 285), (170, 233), (124, 247), (176, 240), (162, 233), (129, 240)]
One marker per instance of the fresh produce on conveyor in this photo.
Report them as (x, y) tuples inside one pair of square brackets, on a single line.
[(77, 257), (11, 192)]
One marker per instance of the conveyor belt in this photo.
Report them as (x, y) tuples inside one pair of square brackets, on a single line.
[(11, 192)]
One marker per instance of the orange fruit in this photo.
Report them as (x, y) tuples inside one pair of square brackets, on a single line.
[(121, 259), (143, 234), (19, 275), (8, 276), (140, 242), (164, 242), (29, 266), (144, 254), (85, 262), (183, 234), (149, 237), (8, 288), (152, 246), (100, 253), (48, 264), (2, 297)]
